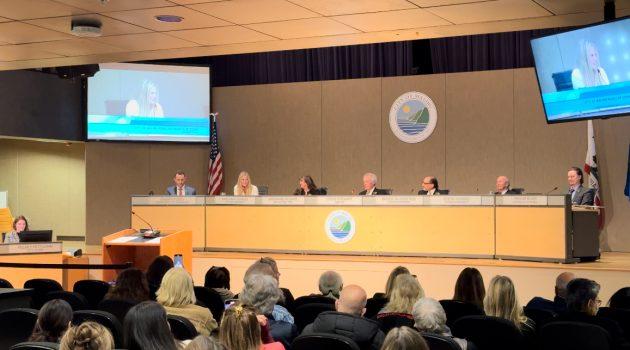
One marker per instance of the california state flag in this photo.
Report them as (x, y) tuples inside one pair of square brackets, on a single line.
[(590, 168)]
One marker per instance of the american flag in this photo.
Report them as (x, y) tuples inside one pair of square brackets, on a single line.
[(590, 167), (215, 165)]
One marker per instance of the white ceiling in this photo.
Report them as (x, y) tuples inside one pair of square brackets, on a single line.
[(36, 33)]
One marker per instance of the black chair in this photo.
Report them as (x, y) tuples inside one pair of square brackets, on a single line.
[(518, 190), (444, 191), (323, 191), (263, 190), (621, 316), (117, 307), (388, 322), (41, 287), (34, 345), (16, 325), (212, 300), (562, 80), (621, 299), (181, 327), (319, 341), (455, 310), (307, 313), (288, 300), (103, 318), (489, 333), (312, 299), (573, 336), (373, 306), (77, 301), (440, 342), (5, 284), (539, 316), (93, 290)]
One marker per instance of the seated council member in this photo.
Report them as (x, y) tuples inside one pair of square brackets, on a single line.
[(19, 224), (244, 186), (430, 186), (503, 186), (369, 186), (589, 71), (579, 194), (179, 188), (307, 187)]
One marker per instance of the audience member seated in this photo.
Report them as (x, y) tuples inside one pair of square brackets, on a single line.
[(287, 298), (19, 224), (559, 303), (203, 342), (156, 272), (621, 299), (582, 305), (389, 285), (53, 321), (264, 267), (262, 292), (406, 291), (501, 301), (404, 338), (218, 279), (146, 328), (348, 321), (87, 336), (241, 329), (177, 295), (131, 284), (330, 284), (469, 287), (429, 317)]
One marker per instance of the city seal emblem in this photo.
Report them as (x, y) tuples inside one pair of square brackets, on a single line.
[(340, 226), (413, 117)]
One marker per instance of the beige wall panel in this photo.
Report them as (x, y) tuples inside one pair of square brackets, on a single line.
[(479, 131), (351, 128), (272, 131), (114, 172), (9, 173), (542, 152), (166, 159), (405, 164)]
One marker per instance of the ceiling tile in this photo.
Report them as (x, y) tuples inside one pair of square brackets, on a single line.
[(490, 11), (336, 7), (571, 6), (431, 3), (142, 42), (75, 47), (303, 28), (221, 35), (110, 26), (392, 20), (254, 11), (22, 52), (18, 32), (29, 9), (116, 5), (146, 18)]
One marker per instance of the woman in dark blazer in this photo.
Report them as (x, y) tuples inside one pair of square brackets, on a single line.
[(307, 187)]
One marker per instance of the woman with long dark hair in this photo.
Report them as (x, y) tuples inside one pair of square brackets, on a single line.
[(307, 187), (131, 284), (469, 287), (146, 328), (53, 321)]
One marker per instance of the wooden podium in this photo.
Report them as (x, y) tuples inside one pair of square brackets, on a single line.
[(127, 246)]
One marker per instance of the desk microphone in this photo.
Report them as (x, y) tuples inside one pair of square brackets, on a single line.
[(147, 234), (553, 189)]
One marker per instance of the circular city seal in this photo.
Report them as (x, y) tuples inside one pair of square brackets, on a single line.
[(413, 117), (340, 226)]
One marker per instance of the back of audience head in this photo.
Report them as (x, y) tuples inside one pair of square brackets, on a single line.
[(404, 338), (158, 268), (469, 287), (87, 336), (204, 342), (274, 266), (131, 284), (429, 316), (330, 284), (259, 268), (621, 299), (352, 300), (406, 292), (240, 329), (398, 270), (53, 321), (261, 292), (177, 289), (146, 328), (217, 277), (562, 281), (501, 301), (582, 296)]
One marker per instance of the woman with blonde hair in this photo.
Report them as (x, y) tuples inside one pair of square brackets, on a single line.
[(405, 292), (389, 286), (87, 336), (501, 301), (240, 330), (589, 72), (244, 186), (404, 338), (177, 295), (204, 342)]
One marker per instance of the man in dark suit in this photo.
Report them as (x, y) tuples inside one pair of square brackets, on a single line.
[(430, 187), (579, 194), (503, 186), (559, 303), (179, 188), (369, 186)]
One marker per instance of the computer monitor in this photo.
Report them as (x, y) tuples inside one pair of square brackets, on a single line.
[(36, 236)]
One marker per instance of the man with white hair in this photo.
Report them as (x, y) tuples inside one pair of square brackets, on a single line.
[(559, 303), (429, 317), (369, 186), (330, 284), (503, 186)]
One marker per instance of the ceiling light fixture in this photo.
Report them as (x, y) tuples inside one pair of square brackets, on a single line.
[(169, 18)]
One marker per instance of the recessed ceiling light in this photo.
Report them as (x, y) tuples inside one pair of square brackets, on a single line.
[(169, 18)]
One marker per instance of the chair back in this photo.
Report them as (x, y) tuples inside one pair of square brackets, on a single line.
[(288, 300), (518, 190), (5, 284), (212, 300), (323, 191), (456, 309), (390, 321), (373, 306), (319, 341), (34, 345), (573, 335), (16, 325), (181, 327), (388, 191), (307, 313), (103, 318), (621, 299), (539, 316), (93, 290), (489, 333), (440, 342), (621, 316), (41, 287), (77, 301), (312, 299), (562, 80), (263, 190), (117, 307)]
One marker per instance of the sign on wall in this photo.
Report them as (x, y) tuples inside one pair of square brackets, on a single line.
[(413, 117)]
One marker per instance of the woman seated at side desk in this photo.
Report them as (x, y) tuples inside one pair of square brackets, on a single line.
[(244, 186), (308, 187), (19, 225)]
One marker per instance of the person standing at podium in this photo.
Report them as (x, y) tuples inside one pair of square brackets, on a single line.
[(180, 188), (579, 194), (369, 186), (244, 186), (19, 224)]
